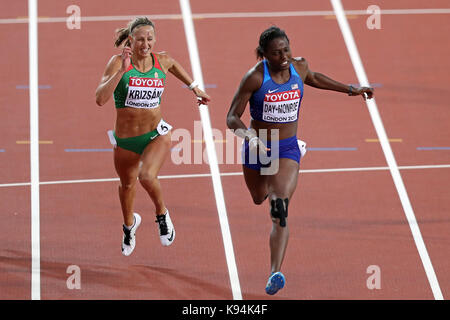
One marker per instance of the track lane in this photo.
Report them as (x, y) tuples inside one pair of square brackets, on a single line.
[(15, 254), (352, 127), (70, 115), (71, 166), (413, 108), (84, 230)]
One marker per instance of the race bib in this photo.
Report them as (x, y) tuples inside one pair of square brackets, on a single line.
[(144, 92), (112, 140), (281, 106), (163, 127)]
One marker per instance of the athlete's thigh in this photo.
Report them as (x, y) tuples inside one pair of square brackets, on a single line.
[(256, 183), (155, 153), (284, 182), (126, 164)]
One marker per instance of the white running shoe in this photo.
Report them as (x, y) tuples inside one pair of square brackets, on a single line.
[(129, 236), (166, 229), (302, 146)]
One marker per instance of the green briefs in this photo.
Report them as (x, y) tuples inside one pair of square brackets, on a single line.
[(136, 144), (139, 143)]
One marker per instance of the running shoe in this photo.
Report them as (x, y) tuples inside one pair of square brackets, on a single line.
[(129, 236), (166, 229), (276, 282), (302, 146)]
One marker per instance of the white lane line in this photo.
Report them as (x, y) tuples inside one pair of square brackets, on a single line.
[(224, 15), (211, 151), (389, 155), (312, 13), (227, 174), (34, 150)]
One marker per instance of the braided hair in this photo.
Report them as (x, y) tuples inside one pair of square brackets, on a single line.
[(265, 38)]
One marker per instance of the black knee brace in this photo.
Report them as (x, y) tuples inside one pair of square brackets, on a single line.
[(279, 209)]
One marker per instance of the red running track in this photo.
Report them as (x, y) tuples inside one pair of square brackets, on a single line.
[(341, 222)]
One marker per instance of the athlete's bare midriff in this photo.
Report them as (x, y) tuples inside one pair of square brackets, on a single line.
[(132, 122), (285, 130)]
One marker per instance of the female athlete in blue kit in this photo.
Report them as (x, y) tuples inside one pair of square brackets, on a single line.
[(271, 152)]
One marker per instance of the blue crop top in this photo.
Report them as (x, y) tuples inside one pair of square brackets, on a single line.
[(277, 103)]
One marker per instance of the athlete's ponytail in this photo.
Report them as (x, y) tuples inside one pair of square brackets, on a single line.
[(267, 36), (123, 33)]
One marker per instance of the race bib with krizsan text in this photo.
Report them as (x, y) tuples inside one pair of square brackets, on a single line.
[(144, 92), (281, 106)]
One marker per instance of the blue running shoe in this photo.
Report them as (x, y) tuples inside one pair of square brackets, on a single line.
[(276, 282)]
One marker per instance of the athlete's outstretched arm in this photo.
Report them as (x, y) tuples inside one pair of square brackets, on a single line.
[(321, 81), (171, 65)]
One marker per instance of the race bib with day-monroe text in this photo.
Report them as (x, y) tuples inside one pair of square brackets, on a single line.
[(281, 106)]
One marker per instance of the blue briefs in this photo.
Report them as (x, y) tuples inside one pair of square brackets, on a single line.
[(287, 148)]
